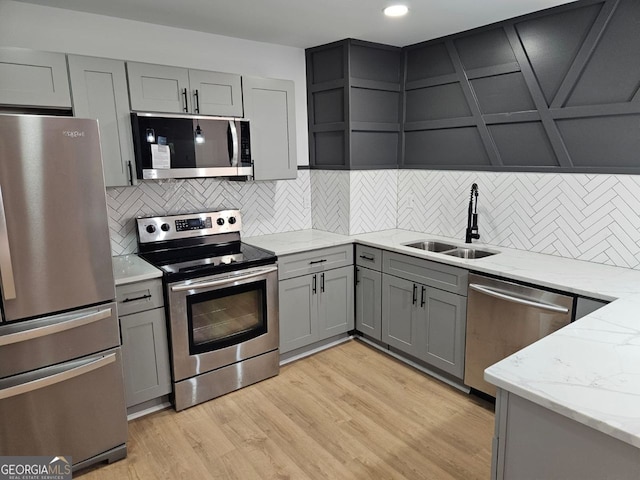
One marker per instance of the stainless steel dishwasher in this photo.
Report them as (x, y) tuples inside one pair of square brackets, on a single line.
[(504, 317)]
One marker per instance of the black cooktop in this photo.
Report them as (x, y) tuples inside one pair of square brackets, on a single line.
[(197, 261)]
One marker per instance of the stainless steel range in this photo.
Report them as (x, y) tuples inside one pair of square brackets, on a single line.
[(222, 303)]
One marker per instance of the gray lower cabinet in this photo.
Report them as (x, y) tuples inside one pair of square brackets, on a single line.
[(315, 307), (533, 442), (425, 322), (269, 105), (99, 90), (145, 349), (31, 78), (163, 88), (369, 302)]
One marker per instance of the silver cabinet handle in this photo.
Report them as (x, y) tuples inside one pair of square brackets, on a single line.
[(223, 281), (55, 328), (234, 139), (57, 378), (522, 301), (6, 268)]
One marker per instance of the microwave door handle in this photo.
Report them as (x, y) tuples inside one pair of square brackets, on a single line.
[(234, 142), (6, 267)]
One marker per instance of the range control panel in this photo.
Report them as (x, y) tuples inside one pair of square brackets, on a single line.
[(174, 227)]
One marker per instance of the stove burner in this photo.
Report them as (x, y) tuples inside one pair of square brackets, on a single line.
[(214, 247)]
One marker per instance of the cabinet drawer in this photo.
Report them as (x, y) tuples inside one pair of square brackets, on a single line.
[(297, 264), (139, 296), (369, 257), (433, 274)]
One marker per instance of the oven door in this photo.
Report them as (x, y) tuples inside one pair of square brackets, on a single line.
[(222, 319)]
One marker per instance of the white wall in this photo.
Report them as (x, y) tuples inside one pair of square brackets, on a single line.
[(58, 30)]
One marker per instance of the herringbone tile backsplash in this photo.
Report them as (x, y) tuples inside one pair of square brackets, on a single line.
[(587, 217), (267, 207)]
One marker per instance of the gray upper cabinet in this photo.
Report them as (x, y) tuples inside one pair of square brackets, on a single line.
[(215, 93), (33, 79), (99, 90), (158, 88), (166, 89), (270, 107)]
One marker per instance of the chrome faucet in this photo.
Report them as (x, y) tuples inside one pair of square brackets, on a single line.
[(472, 215)]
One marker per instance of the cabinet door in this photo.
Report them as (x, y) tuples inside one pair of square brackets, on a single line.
[(269, 105), (158, 88), (215, 93), (369, 302), (400, 314), (99, 88), (298, 312), (33, 79), (145, 356), (442, 334), (336, 312)]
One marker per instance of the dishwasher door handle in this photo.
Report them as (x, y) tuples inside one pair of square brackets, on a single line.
[(523, 301)]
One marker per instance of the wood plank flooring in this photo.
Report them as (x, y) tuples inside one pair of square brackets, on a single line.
[(349, 412)]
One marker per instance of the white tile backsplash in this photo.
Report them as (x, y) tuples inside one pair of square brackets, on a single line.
[(587, 217), (267, 207)]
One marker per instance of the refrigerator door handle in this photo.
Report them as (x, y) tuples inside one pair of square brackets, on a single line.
[(57, 378), (55, 328), (6, 268)]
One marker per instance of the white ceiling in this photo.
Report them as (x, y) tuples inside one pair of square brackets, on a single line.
[(308, 23)]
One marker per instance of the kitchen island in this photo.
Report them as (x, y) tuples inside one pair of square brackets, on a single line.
[(582, 381)]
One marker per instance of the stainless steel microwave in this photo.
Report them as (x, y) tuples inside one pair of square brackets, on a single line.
[(180, 146)]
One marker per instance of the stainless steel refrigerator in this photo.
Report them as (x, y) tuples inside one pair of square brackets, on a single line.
[(61, 385)]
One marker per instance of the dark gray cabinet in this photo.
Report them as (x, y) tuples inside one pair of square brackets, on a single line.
[(269, 105), (552, 91), (354, 104), (99, 89), (145, 352), (424, 310), (33, 79), (162, 88), (316, 301)]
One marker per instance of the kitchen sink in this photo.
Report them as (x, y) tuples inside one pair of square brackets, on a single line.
[(431, 246), (469, 253)]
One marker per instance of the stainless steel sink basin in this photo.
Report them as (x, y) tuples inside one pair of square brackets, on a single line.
[(431, 246), (469, 253)]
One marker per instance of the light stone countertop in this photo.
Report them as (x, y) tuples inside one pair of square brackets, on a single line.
[(588, 371), (131, 268)]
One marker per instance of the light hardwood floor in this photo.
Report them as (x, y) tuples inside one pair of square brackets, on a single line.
[(349, 412)]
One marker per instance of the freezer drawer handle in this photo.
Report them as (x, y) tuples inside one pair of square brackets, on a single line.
[(6, 269), (57, 378), (55, 328), (238, 276), (522, 301)]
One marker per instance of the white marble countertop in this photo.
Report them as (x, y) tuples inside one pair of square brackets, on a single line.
[(131, 268), (588, 371)]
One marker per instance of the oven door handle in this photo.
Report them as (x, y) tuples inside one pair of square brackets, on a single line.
[(225, 280)]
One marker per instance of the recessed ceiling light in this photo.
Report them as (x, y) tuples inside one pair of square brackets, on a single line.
[(396, 10)]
